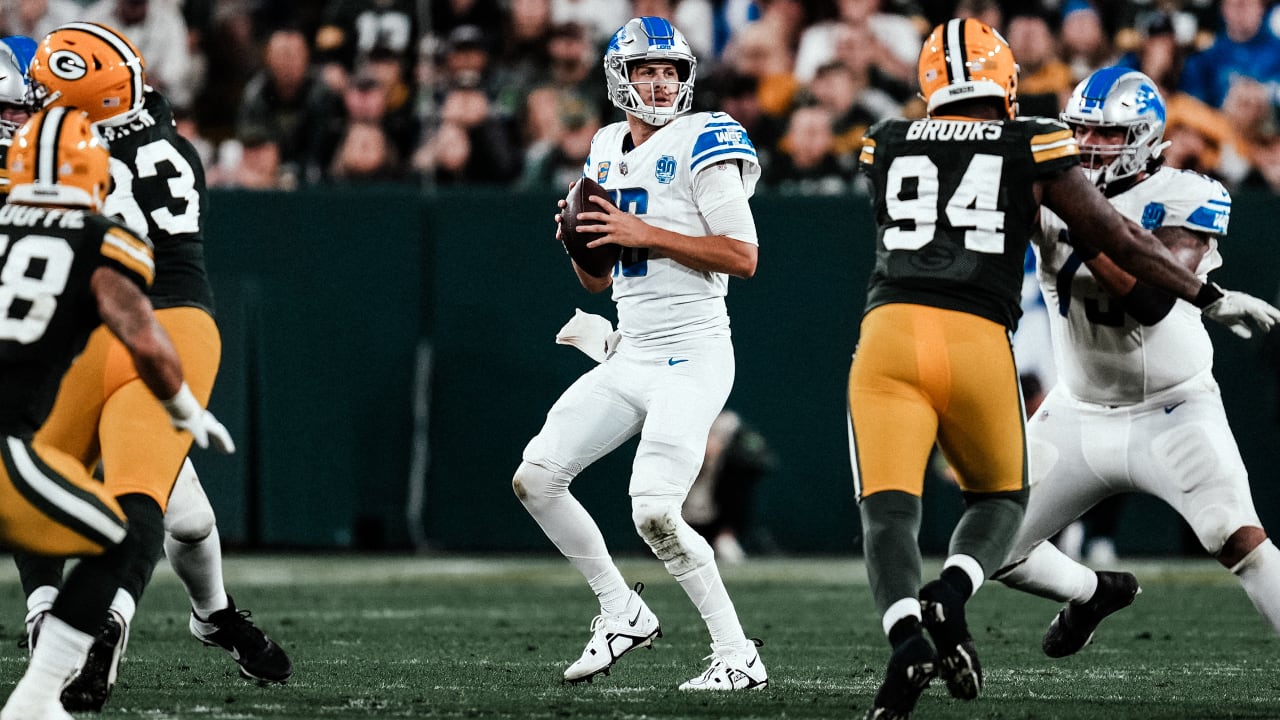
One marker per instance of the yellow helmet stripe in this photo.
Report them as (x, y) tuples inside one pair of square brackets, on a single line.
[(46, 160)]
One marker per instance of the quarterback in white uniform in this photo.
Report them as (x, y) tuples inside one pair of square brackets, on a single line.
[(1136, 408), (680, 184)]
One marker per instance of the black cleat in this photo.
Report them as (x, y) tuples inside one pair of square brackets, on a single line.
[(911, 666), (259, 657), (942, 610), (1074, 625), (91, 688)]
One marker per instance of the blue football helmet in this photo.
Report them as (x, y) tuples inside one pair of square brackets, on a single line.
[(1122, 98), (16, 52), (647, 39)]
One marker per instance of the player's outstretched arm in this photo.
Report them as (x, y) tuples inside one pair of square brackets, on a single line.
[(1098, 225), (127, 313)]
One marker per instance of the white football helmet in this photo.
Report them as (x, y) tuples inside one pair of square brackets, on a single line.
[(1119, 97), (646, 39), (15, 90)]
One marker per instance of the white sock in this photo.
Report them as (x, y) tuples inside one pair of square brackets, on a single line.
[(609, 586), (1259, 573), (122, 603), (59, 654), (40, 600), (705, 588), (1049, 573), (199, 566)]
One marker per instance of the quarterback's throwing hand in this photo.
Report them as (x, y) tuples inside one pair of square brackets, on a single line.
[(186, 413), (1243, 313)]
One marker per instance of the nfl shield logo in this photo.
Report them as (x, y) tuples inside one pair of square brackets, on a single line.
[(622, 167)]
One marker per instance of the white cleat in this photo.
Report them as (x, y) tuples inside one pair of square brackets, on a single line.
[(613, 636), (737, 669), (50, 709)]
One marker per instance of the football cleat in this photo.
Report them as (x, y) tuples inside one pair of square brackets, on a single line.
[(48, 710), (259, 657), (942, 614), (613, 636), (90, 689), (912, 666), (735, 669), (1073, 627)]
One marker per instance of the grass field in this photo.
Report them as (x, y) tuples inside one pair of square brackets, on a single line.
[(454, 637)]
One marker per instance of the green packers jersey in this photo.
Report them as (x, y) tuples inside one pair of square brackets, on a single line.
[(159, 189), (47, 309), (955, 208)]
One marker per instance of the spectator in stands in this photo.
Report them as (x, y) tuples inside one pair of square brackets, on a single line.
[(352, 29), (445, 15), (1085, 44), (396, 111), (806, 162), (1243, 48), (555, 163), (523, 58), (599, 18), (858, 49), (760, 51), (1158, 54), (232, 53), (35, 18), (468, 144), (988, 12), (853, 103), (896, 40), (1044, 81), (289, 100), (571, 79), (157, 29), (365, 154), (250, 160), (366, 101)]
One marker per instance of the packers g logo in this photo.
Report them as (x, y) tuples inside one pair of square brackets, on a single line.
[(68, 65)]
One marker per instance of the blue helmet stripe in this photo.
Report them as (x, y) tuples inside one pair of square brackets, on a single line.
[(661, 34), (1100, 84)]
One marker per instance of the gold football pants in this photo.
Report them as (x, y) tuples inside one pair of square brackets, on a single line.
[(51, 505), (923, 374), (104, 411)]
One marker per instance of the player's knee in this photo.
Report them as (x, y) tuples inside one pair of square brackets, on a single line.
[(657, 518), (533, 483), (1239, 544), (190, 526)]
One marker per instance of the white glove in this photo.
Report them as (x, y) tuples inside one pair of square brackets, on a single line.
[(186, 413), (1242, 313)]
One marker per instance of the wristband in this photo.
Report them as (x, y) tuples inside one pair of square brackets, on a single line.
[(182, 405), (1208, 294)]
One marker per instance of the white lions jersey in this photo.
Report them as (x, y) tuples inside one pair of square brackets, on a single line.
[(659, 300), (1103, 355)]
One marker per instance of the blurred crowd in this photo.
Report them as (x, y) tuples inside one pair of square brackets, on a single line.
[(280, 94)]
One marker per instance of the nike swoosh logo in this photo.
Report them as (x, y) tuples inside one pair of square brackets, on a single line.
[(752, 662), (673, 361), (1170, 408), (632, 622)]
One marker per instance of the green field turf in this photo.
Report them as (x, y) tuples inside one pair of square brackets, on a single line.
[(453, 637)]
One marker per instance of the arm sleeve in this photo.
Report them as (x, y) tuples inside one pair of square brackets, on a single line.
[(721, 197)]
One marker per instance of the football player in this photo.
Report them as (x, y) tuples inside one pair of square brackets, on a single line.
[(1137, 408), (680, 183), (956, 196), (64, 269), (102, 412), (15, 95)]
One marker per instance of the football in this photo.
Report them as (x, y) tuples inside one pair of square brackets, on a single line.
[(597, 261)]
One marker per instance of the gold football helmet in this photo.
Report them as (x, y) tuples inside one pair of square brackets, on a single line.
[(964, 58), (57, 159), (90, 67)]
